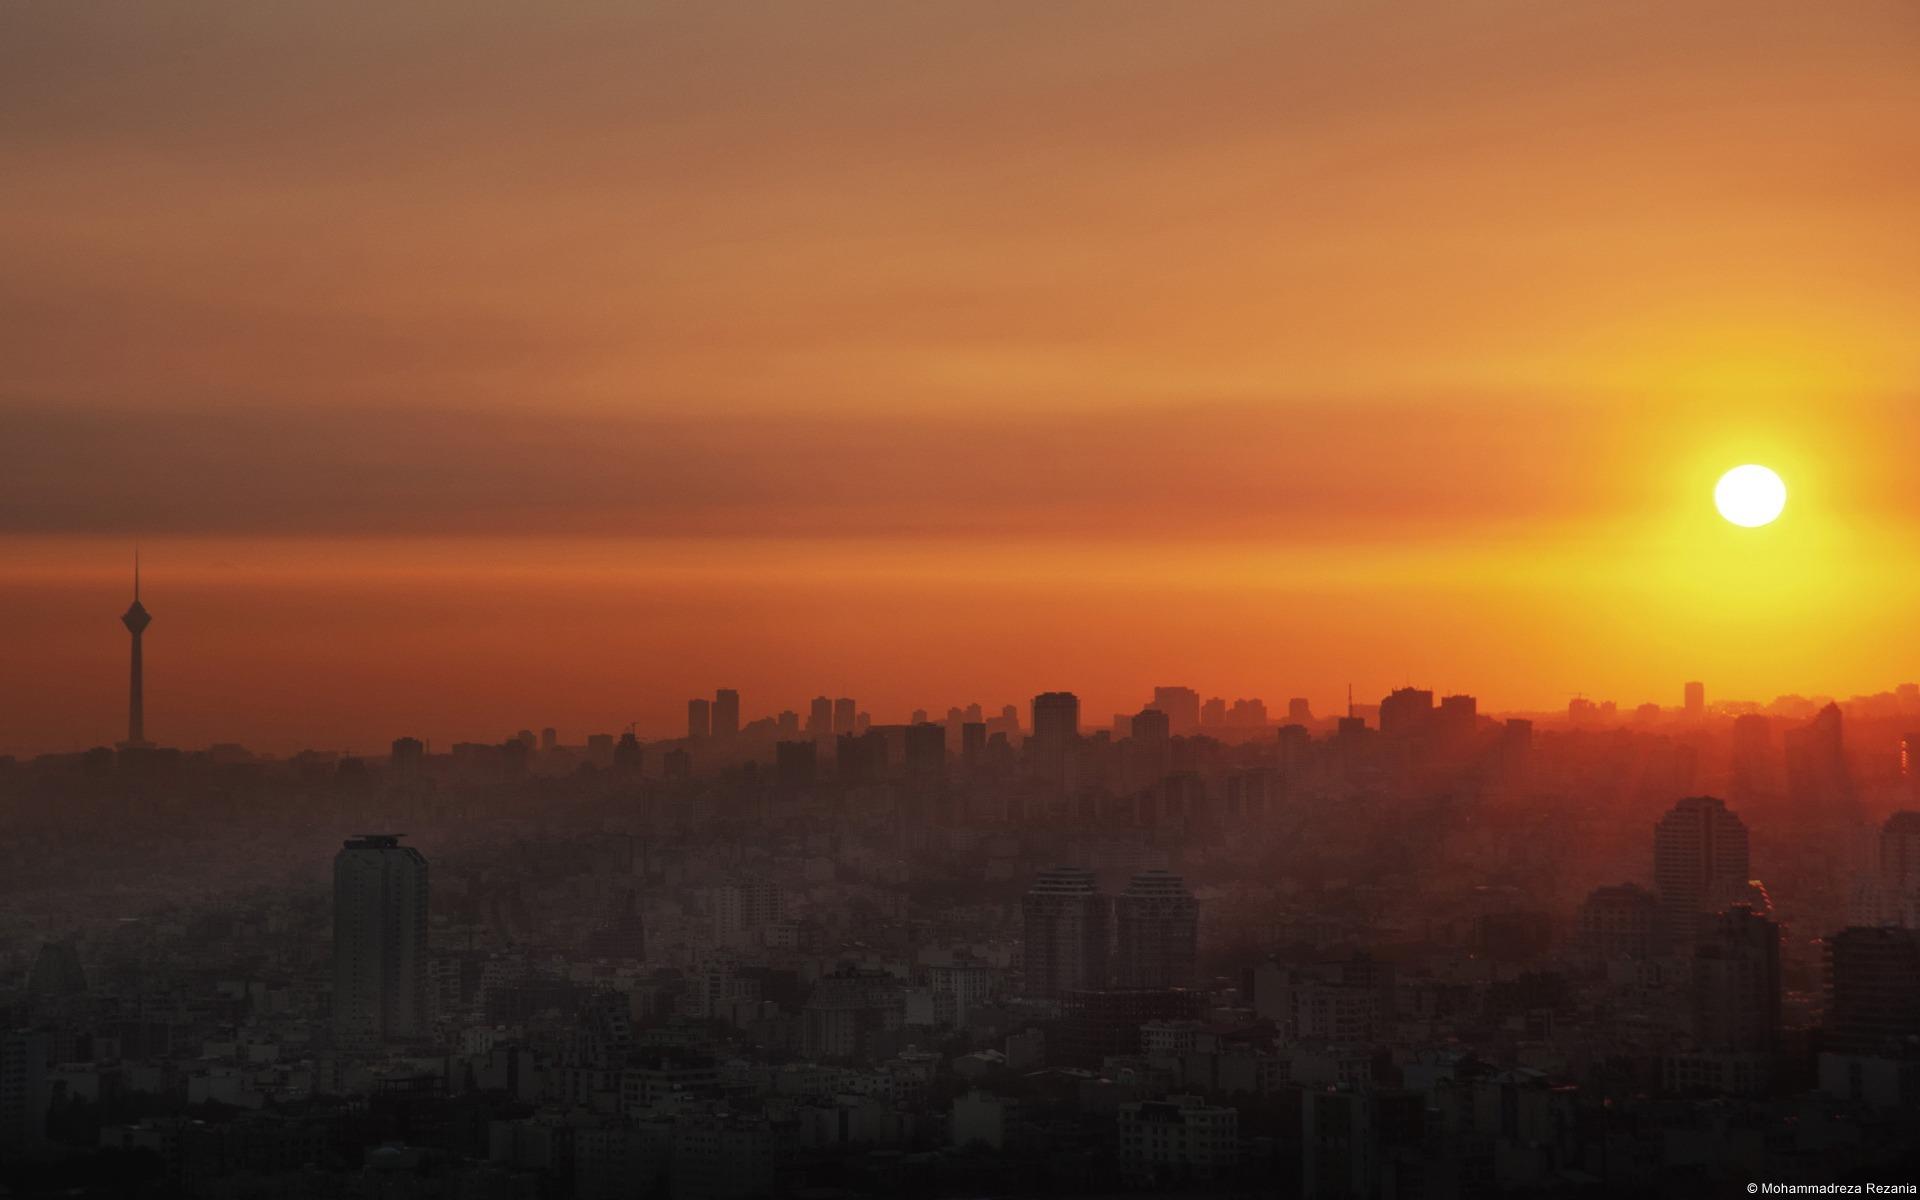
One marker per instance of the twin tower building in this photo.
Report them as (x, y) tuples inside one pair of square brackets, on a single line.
[(1079, 939)]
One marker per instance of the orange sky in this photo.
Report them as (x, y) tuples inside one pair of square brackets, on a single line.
[(467, 366)]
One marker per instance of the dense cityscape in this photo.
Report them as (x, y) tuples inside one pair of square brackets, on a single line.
[(1407, 950)]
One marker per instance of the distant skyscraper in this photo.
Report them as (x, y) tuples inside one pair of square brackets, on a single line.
[(699, 718), (1157, 932), (1299, 712), (1817, 764), (1182, 706), (820, 715), (379, 939), (973, 740), (1699, 856), (1407, 712), (549, 739), (845, 715), (136, 619), (1056, 719), (1696, 699), (1067, 928), (1752, 756), (726, 713), (1618, 922)]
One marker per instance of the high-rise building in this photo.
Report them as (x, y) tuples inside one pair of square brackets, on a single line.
[(1752, 757), (820, 715), (845, 715), (973, 740), (1299, 712), (1157, 932), (795, 764), (1696, 699), (1817, 763), (1056, 720), (1873, 1006), (1406, 712), (1699, 855), (379, 939), (1067, 927), (699, 719), (1456, 717), (726, 713), (549, 739), (1182, 706), (925, 751), (1618, 922), (136, 619), (1736, 982)]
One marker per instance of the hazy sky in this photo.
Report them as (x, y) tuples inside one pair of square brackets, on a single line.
[(469, 366)]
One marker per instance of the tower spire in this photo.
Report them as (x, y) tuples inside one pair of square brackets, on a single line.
[(136, 619)]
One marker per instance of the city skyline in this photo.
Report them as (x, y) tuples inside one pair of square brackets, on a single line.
[(708, 713)]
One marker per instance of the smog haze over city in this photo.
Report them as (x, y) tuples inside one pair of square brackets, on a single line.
[(961, 599)]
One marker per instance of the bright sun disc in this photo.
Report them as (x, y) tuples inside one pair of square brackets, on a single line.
[(1750, 495)]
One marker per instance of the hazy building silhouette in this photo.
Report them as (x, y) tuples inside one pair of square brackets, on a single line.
[(406, 754), (796, 764), (1736, 982), (846, 716), (1619, 921), (1752, 750), (24, 1094), (1696, 699), (1406, 712), (1873, 1003), (699, 719), (1299, 712), (1699, 852), (1067, 929), (136, 619), (1817, 780), (1056, 720), (820, 716), (379, 939), (973, 740), (549, 739), (1182, 706), (1156, 932), (726, 713)]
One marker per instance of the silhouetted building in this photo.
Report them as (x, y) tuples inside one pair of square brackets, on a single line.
[(795, 764), (1873, 1005), (699, 719), (379, 939), (1182, 706), (24, 1094), (1696, 699), (406, 754), (1099, 1023), (845, 716), (1299, 711), (973, 740), (1067, 928), (726, 713), (1736, 982), (1406, 712), (926, 750), (1157, 932), (1056, 720), (628, 755), (820, 716), (1619, 922), (1699, 852), (1817, 778)]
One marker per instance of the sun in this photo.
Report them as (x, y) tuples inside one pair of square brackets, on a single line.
[(1750, 495)]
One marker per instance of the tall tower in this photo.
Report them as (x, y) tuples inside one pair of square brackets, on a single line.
[(136, 620), (379, 940)]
